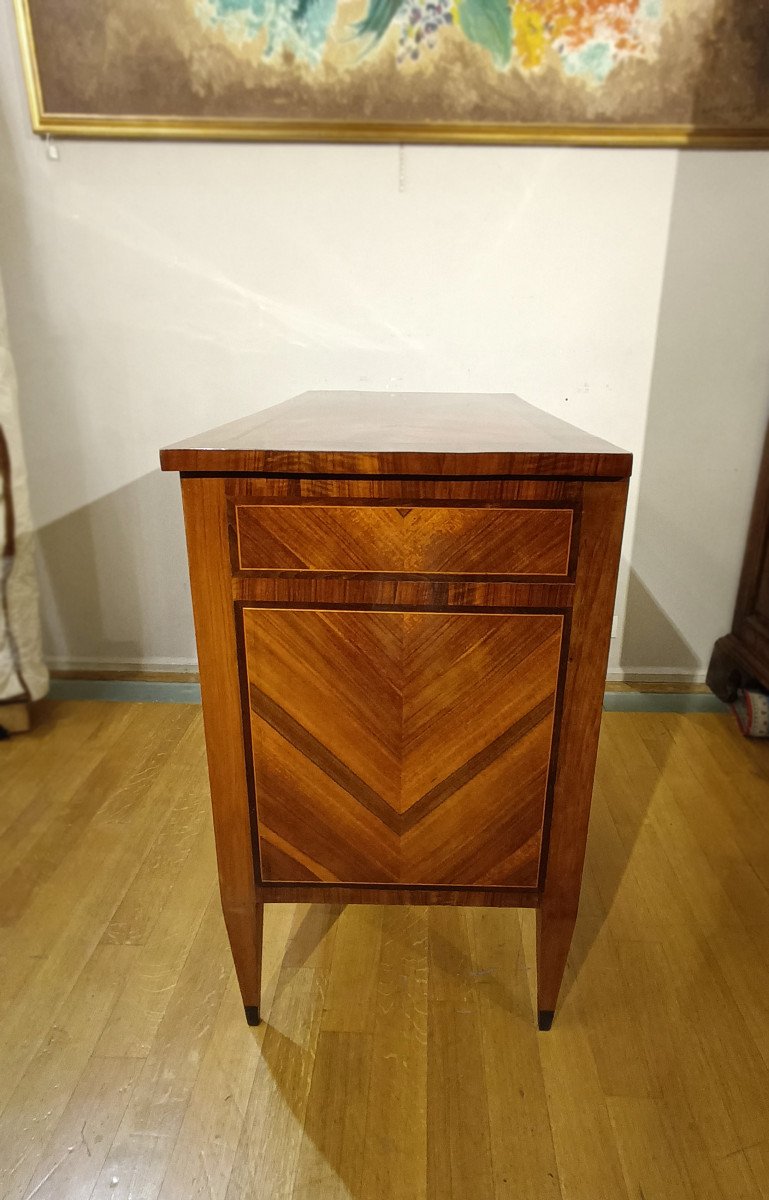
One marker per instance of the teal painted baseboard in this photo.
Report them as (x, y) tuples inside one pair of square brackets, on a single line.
[(149, 692), (679, 702), (125, 690)]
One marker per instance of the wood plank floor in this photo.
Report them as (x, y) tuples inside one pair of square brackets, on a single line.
[(399, 1058)]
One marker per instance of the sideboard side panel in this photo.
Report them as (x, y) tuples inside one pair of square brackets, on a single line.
[(603, 517), (409, 748), (205, 519)]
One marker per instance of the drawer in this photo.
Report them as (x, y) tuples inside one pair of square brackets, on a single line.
[(404, 748), (520, 541)]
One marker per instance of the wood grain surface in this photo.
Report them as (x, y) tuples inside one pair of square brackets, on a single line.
[(205, 522), (400, 492), (398, 1055), (371, 592), (356, 893), (400, 433), (403, 606), (409, 748), (601, 526), (422, 540)]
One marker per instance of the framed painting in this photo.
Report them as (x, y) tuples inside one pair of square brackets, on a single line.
[(638, 72)]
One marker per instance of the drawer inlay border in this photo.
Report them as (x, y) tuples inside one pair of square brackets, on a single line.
[(509, 541)]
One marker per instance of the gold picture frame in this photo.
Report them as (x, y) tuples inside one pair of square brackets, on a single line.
[(734, 91)]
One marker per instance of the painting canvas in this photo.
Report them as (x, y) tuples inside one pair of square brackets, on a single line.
[(634, 71)]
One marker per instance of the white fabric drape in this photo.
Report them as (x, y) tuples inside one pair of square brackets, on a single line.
[(23, 675)]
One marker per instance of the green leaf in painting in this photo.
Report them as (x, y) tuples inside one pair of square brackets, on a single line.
[(378, 18), (487, 22)]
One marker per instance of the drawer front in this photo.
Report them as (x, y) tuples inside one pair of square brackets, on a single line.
[(521, 541), (404, 748)]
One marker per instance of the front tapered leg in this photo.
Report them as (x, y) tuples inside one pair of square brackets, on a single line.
[(244, 928), (554, 933)]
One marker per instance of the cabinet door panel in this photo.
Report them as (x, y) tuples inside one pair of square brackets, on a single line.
[(401, 747)]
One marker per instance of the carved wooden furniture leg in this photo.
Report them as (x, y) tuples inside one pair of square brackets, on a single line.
[(403, 608)]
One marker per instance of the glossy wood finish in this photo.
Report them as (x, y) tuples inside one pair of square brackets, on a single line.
[(17, 717), (603, 517), (205, 519), (401, 492), (443, 541), (378, 758), (741, 657), (356, 893), (398, 1055), (407, 672), (365, 592), (400, 433)]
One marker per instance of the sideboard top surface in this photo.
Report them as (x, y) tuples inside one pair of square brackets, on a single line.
[(400, 433)]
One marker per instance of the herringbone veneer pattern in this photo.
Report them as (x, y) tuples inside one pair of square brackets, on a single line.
[(436, 540), (401, 747)]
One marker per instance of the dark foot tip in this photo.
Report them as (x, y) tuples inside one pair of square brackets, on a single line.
[(545, 1020), (252, 1014)]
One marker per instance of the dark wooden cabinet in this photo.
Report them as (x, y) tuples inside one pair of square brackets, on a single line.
[(402, 607), (741, 658)]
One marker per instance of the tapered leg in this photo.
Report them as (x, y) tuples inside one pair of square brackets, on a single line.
[(206, 523), (600, 536), (554, 932), (244, 927)]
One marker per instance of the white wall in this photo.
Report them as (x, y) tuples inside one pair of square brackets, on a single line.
[(707, 415), (158, 289)]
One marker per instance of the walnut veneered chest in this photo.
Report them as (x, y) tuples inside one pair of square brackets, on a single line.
[(403, 606)]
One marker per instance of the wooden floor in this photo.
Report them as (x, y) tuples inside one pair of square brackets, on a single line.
[(399, 1058)]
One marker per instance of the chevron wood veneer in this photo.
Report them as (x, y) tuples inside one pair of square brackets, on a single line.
[(402, 609), (469, 541), (408, 748)]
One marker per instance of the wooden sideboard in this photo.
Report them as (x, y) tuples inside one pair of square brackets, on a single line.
[(403, 606)]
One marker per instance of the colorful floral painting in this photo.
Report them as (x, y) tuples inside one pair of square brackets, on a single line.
[(517, 70), (586, 39)]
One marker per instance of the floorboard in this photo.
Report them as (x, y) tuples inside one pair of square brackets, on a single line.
[(398, 1058)]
